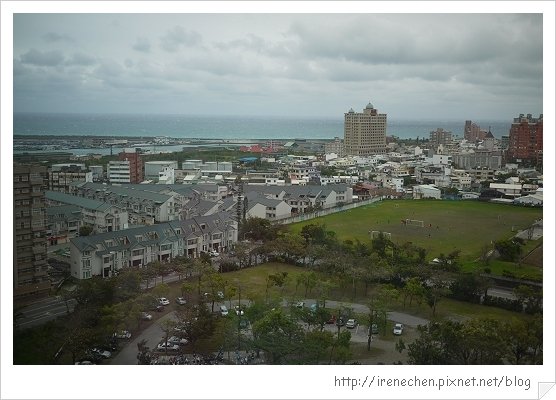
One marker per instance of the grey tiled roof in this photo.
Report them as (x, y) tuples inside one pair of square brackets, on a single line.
[(82, 202), (63, 213), (165, 232)]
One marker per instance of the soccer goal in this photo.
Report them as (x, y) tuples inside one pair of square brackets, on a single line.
[(415, 222), (375, 234)]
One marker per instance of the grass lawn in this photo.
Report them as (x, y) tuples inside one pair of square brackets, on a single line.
[(454, 225)]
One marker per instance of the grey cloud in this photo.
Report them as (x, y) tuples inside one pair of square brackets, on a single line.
[(109, 68), (43, 59), (56, 37), (142, 44), (177, 37), (81, 59)]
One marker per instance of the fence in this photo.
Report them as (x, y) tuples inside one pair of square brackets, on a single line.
[(322, 213)]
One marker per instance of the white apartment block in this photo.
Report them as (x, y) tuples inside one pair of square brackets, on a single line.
[(154, 168), (119, 172)]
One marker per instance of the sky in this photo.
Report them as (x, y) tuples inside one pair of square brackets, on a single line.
[(410, 66)]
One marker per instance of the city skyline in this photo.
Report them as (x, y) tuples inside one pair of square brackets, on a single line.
[(411, 66)]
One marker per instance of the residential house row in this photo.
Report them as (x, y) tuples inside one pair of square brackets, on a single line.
[(105, 254)]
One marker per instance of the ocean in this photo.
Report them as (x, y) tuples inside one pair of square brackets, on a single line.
[(223, 127)]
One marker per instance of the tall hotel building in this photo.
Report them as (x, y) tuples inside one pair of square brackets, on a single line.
[(365, 133), (526, 140), (30, 265)]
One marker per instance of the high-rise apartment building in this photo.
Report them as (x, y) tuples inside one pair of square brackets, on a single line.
[(136, 164), (526, 139), (473, 132), (440, 136), (365, 133), (30, 265)]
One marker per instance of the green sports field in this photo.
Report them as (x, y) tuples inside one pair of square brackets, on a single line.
[(449, 225)]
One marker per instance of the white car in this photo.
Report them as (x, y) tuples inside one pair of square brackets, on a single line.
[(101, 353), (181, 301), (300, 304), (163, 301), (122, 335), (220, 295), (398, 329), (223, 310), (146, 316), (351, 323), (168, 347), (239, 311), (177, 340), (214, 253)]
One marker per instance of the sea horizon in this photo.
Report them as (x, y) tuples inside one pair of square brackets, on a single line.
[(183, 126)]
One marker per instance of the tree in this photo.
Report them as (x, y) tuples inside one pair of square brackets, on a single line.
[(161, 269), (79, 341), (412, 288), (186, 289), (308, 280), (279, 336), (85, 230), (530, 297), (161, 290), (214, 283), (509, 250), (180, 265), (339, 351), (315, 346), (466, 287), (243, 253), (278, 279)]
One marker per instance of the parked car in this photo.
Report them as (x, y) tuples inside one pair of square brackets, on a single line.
[(300, 304), (146, 316), (223, 310), (167, 347), (239, 311), (351, 323), (398, 329), (100, 353), (122, 335), (181, 301), (177, 340), (332, 320), (374, 329), (163, 301), (220, 295), (313, 308), (213, 253), (340, 321)]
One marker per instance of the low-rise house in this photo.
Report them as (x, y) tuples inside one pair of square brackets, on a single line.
[(262, 207), (507, 189), (426, 192), (62, 224)]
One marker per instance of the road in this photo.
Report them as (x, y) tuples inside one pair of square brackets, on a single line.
[(152, 334), (44, 311)]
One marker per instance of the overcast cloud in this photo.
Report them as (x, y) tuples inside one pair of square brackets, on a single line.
[(426, 66)]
